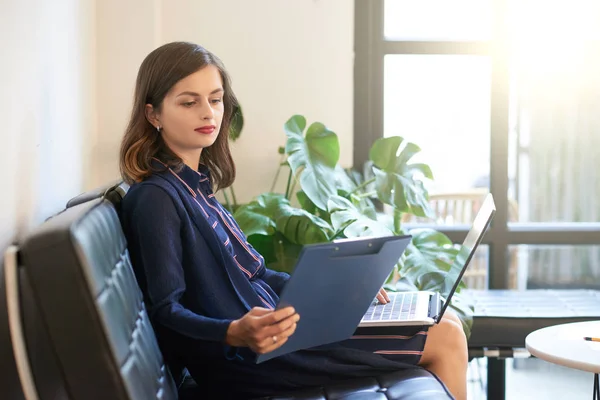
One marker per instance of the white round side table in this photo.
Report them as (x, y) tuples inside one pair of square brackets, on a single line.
[(565, 345)]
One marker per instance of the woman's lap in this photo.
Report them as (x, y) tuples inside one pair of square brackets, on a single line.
[(404, 344), (368, 352)]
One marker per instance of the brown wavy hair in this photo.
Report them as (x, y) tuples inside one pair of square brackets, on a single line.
[(159, 72)]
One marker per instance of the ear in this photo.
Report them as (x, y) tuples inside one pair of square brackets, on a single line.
[(152, 116)]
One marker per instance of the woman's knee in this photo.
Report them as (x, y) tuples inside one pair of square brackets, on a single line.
[(450, 316), (451, 331), (446, 340)]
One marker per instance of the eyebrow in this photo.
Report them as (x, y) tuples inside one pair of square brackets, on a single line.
[(197, 95)]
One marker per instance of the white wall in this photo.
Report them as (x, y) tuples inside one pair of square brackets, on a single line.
[(285, 57), (126, 32), (46, 108)]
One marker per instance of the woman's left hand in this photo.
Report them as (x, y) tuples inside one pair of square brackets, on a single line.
[(383, 297)]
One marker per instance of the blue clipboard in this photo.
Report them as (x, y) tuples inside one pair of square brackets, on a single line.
[(333, 285)]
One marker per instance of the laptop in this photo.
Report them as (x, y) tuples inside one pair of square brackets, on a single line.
[(424, 307)]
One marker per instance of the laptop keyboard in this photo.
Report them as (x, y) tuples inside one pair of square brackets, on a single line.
[(402, 306)]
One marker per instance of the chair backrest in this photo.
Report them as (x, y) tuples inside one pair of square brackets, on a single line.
[(459, 207), (91, 307), (113, 191)]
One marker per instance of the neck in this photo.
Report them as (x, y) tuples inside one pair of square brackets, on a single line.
[(191, 159)]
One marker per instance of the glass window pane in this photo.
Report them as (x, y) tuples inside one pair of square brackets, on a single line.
[(555, 132), (555, 267), (437, 20), (550, 21), (442, 104)]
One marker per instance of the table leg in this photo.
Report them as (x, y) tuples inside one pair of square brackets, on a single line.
[(596, 387), (496, 379)]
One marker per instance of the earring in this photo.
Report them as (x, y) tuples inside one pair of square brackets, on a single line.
[(158, 129)]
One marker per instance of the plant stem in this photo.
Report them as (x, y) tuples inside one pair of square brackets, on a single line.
[(362, 185), (363, 195), (293, 186), (287, 188), (397, 219)]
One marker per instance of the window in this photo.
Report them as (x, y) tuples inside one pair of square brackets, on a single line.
[(498, 99)]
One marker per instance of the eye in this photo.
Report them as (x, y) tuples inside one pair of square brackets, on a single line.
[(216, 101), (188, 104)]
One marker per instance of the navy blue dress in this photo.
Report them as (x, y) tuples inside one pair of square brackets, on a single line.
[(198, 273)]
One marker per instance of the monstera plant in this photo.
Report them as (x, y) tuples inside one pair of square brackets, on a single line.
[(323, 202)]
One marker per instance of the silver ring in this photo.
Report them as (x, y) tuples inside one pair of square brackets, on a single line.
[(274, 339)]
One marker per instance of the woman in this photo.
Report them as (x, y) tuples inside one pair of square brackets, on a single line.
[(209, 296)]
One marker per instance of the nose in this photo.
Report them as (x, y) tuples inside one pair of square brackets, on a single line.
[(207, 112)]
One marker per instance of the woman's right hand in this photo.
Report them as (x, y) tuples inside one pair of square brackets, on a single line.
[(262, 330)]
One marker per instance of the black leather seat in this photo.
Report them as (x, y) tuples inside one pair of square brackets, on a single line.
[(87, 332), (504, 318)]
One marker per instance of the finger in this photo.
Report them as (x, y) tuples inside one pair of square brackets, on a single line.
[(278, 328), (385, 294), (268, 342), (381, 299), (259, 311), (273, 342), (276, 316), (289, 331), (273, 345)]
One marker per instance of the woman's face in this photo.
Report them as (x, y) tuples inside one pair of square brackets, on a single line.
[(191, 113)]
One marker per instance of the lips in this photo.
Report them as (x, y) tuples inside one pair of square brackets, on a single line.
[(206, 130)]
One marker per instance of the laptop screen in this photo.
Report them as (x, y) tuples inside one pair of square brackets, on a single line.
[(467, 249)]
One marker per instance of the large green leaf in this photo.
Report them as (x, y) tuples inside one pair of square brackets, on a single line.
[(301, 227), (305, 202), (347, 217), (343, 181), (280, 254), (237, 124), (429, 248), (433, 261), (258, 216), (313, 158), (265, 245), (348, 184), (397, 182), (271, 212)]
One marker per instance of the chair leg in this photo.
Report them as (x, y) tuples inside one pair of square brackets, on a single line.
[(496, 379)]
